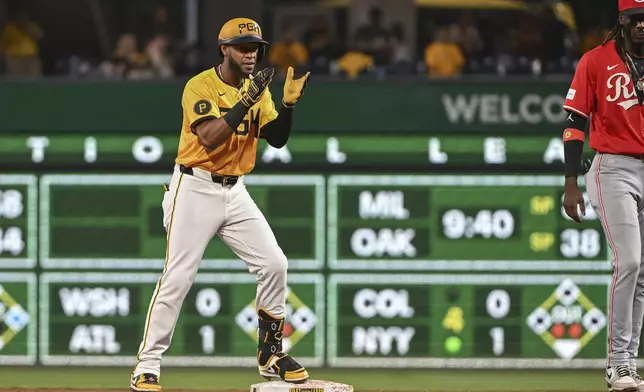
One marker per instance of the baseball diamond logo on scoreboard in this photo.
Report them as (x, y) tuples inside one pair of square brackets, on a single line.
[(299, 320), (12, 316), (567, 320)]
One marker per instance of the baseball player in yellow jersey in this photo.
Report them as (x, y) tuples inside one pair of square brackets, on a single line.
[(226, 110)]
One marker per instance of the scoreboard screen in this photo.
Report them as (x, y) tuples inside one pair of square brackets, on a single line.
[(99, 319), (467, 320), (459, 223), (469, 271), (116, 221)]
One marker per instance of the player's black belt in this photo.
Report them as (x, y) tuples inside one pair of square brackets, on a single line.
[(223, 180)]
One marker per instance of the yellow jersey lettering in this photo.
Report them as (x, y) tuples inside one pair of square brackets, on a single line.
[(247, 124), (202, 98)]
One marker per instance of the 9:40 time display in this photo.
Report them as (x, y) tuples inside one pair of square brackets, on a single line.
[(485, 223)]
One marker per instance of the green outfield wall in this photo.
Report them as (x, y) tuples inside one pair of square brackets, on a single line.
[(473, 106)]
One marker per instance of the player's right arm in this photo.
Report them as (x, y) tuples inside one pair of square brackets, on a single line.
[(211, 129), (204, 117), (579, 104)]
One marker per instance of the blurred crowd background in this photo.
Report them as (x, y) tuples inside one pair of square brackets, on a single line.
[(156, 39)]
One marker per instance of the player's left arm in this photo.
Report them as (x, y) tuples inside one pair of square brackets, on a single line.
[(580, 104), (278, 129)]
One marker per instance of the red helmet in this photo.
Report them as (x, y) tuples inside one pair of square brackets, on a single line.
[(631, 7)]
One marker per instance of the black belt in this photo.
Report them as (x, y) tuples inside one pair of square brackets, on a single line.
[(223, 180)]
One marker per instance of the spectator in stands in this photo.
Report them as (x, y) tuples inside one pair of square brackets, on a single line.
[(157, 25), (400, 50), (467, 35), (373, 39), (593, 38), (161, 62), (19, 43), (355, 63), (503, 61), (128, 62), (443, 57), (401, 57), (531, 44), (319, 42), (288, 52)]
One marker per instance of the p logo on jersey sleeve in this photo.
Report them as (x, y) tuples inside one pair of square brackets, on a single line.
[(202, 107), (198, 103)]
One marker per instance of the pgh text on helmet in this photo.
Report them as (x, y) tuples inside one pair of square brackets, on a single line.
[(242, 31)]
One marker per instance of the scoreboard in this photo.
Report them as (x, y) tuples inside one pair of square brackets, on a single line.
[(459, 223), (466, 320), (97, 319), (473, 271), (116, 221)]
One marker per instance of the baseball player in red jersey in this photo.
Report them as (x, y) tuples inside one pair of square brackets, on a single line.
[(608, 90)]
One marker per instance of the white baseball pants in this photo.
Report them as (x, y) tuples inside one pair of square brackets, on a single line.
[(195, 210), (615, 186)]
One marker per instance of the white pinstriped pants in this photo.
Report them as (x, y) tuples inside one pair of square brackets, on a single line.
[(195, 210)]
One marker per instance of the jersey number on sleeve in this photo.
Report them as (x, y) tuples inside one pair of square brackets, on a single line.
[(247, 124)]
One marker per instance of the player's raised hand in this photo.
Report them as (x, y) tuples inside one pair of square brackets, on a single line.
[(573, 199), (294, 88), (256, 87)]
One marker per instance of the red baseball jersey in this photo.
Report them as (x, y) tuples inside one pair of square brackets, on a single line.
[(603, 90)]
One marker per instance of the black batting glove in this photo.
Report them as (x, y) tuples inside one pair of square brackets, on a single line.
[(258, 84)]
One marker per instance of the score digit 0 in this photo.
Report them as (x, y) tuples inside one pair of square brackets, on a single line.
[(498, 307)]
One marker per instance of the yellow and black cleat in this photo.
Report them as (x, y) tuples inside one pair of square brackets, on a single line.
[(273, 362), (283, 366), (145, 382)]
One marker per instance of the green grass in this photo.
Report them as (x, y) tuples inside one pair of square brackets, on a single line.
[(362, 379)]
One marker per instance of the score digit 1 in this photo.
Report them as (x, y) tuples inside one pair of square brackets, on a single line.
[(208, 304), (497, 305), (207, 333)]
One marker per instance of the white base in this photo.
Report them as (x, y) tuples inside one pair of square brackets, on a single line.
[(308, 386)]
